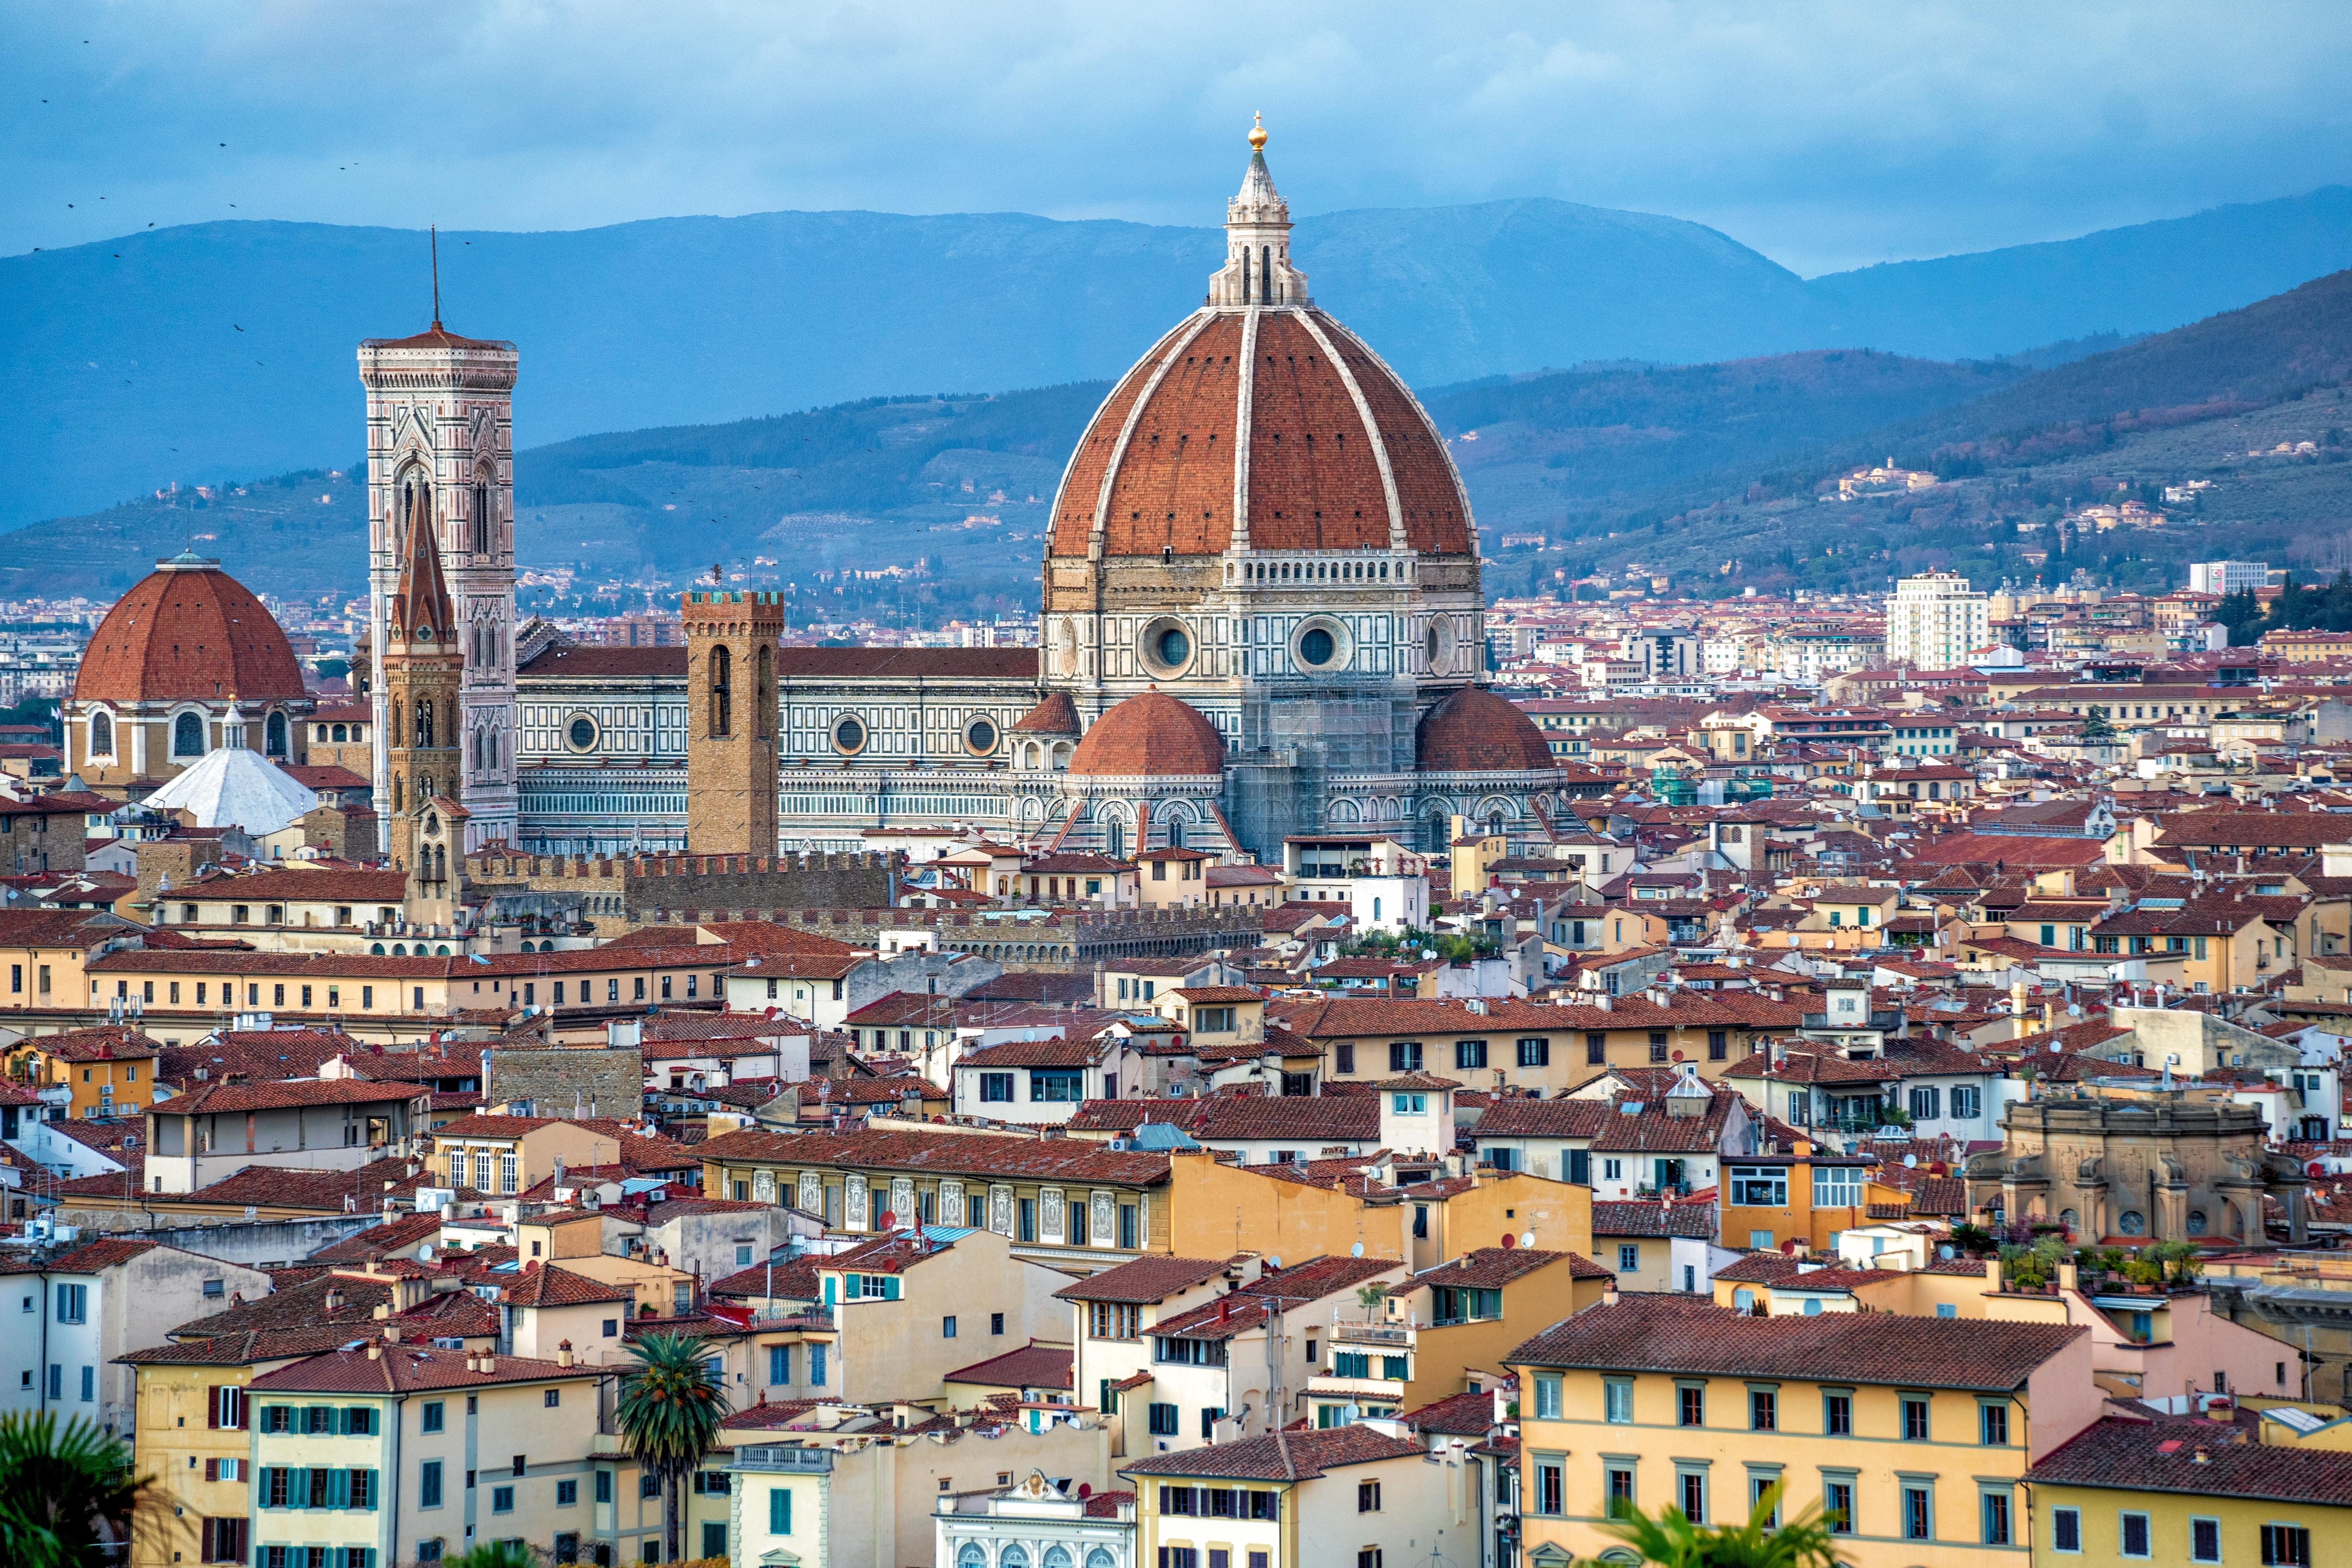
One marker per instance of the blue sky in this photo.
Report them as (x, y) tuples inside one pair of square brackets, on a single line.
[(1826, 134)]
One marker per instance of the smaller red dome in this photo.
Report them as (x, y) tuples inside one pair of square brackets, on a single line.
[(1475, 732), (1057, 715), (188, 630), (1151, 736)]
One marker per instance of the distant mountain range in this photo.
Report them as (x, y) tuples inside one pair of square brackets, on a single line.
[(224, 350)]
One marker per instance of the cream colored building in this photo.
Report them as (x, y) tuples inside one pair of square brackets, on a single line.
[(1935, 621)]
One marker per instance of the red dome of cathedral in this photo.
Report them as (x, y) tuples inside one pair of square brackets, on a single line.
[(188, 629), (1475, 732), (1150, 735), (1332, 452)]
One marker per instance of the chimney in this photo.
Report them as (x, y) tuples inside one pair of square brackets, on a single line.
[(1992, 1275), (488, 1361), (2069, 1277), (1608, 1296), (383, 1310), (563, 1353), (375, 1353), (391, 1333)]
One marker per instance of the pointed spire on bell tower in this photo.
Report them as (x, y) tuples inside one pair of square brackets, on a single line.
[(1258, 269), (421, 610)]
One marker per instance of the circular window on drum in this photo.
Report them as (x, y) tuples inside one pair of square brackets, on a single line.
[(1167, 647), (580, 732), (1321, 644), (849, 734), (980, 737), (1440, 643)]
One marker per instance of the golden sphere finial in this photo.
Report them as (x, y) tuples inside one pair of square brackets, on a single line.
[(1257, 133)]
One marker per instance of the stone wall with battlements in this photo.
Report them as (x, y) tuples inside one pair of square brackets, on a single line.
[(621, 894)]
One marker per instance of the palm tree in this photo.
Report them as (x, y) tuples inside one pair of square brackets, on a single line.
[(669, 1411), (1673, 1541), (66, 1492)]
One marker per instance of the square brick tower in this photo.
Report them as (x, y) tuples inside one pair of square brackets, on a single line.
[(440, 415), (730, 725)]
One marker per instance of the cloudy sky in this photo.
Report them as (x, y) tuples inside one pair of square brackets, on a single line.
[(1826, 134)]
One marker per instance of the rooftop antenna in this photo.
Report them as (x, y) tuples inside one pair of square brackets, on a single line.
[(433, 232)]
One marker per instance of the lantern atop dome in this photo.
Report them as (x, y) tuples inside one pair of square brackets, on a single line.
[(1258, 269)]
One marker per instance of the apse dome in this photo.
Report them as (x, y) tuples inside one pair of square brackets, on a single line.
[(1475, 732), (1152, 735)]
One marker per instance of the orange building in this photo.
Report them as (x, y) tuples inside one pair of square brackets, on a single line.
[(110, 1068)]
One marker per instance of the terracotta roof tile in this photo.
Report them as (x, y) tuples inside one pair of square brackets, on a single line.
[(1032, 1366), (1292, 1455), (945, 1153)]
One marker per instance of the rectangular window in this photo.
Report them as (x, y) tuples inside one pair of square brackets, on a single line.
[(1759, 1186), (1546, 1396), (996, 1089), (1837, 1187), (1692, 1486), (73, 1303), (567, 1493), (1994, 1426), (1618, 1490), (1551, 1484), (428, 1485), (1343, 1059), (1535, 1053), (946, 1328), (1163, 1421), (1914, 1420), (1469, 1053), (2132, 1536), (2065, 1530), (502, 1499), (779, 1511), (1404, 1056), (1596, 1049), (1968, 1102), (2288, 1545), (1657, 1044), (1690, 1406), (1617, 1402), (1763, 1410), (433, 1415), (1837, 1414), (1059, 1087), (1918, 1516), (816, 1365), (1837, 1506), (1995, 1522), (1367, 1497), (1629, 1256), (604, 1486)]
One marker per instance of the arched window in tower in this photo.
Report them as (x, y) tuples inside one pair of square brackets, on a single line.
[(1266, 274), (723, 693), (273, 736), (187, 736), (1245, 275), (1175, 833), (101, 735), (482, 521), (397, 805), (764, 691), (415, 504), (425, 723), (395, 716), (1115, 840)]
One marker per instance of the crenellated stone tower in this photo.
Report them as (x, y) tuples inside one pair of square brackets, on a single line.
[(731, 725), (441, 443)]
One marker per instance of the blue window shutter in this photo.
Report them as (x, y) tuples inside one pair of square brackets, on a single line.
[(889, 1287), (779, 1511), (375, 1492), (828, 1289), (339, 1488)]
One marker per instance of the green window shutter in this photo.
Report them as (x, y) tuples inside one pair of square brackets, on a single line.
[(889, 1287), (374, 1493), (828, 1289), (779, 1511), (1392, 1368), (339, 1488)]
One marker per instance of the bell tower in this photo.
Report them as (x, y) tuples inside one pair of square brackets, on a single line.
[(730, 725), (440, 414), (419, 681)]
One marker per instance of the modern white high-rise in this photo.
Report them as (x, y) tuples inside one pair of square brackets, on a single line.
[(2227, 576), (1935, 620)]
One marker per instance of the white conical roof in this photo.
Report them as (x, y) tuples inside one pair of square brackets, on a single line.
[(235, 787)]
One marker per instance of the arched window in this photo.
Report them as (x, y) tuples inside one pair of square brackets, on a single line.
[(396, 804), (482, 529), (1099, 1558), (493, 739), (1013, 1556), (273, 733), (1115, 840), (187, 736), (1058, 1556), (1266, 274), (723, 693), (101, 735), (339, 735), (1175, 833), (973, 1555), (764, 691), (416, 503), (425, 723)]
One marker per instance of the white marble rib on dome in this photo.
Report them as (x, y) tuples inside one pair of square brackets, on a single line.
[(236, 787)]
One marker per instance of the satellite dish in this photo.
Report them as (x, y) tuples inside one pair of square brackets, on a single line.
[(1509, 1241), (887, 1219), (1678, 1055), (1527, 1238), (1910, 1162), (1357, 1250), (1275, 1262), (425, 1253)]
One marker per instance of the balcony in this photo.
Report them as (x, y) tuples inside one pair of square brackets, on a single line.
[(1373, 1331)]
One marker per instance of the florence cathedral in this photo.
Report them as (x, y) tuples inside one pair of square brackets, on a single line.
[(1261, 616)]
